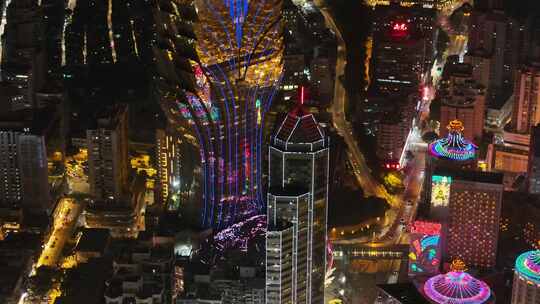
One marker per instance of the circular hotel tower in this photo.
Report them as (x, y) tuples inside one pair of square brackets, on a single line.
[(526, 286)]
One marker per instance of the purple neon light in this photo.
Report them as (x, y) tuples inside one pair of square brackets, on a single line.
[(453, 147), (528, 265), (457, 288)]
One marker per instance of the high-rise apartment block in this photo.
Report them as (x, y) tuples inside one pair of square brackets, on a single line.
[(23, 167), (299, 158), (108, 153), (462, 98), (474, 216), (322, 78), (402, 48), (393, 129), (533, 172), (497, 36), (294, 67), (526, 112)]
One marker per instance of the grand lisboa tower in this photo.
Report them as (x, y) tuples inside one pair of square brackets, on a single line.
[(239, 46)]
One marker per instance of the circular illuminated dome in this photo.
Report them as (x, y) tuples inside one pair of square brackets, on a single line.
[(454, 146), (457, 287), (528, 265)]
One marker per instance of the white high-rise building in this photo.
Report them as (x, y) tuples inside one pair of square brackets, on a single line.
[(23, 169), (279, 263), (298, 193), (108, 154)]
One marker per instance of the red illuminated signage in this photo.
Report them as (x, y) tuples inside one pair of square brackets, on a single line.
[(400, 27), (427, 228)]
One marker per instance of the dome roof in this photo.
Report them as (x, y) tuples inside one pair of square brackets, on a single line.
[(457, 287), (528, 265), (454, 146)]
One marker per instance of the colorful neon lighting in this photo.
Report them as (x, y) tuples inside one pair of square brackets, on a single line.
[(440, 190), (302, 95), (454, 146), (237, 75), (238, 10), (528, 266), (400, 27), (399, 30), (424, 256), (429, 228), (457, 288)]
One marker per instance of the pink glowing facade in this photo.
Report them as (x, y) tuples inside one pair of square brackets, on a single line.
[(457, 287)]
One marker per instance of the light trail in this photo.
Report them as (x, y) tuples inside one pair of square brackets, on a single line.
[(85, 53), (2, 30), (111, 32), (72, 4), (135, 45), (369, 52)]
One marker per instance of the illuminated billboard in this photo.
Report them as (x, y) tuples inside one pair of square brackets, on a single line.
[(425, 252), (440, 190)]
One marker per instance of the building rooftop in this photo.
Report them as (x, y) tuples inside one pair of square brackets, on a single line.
[(471, 175), (457, 287), (454, 147), (405, 293), (299, 127), (109, 116), (94, 240)]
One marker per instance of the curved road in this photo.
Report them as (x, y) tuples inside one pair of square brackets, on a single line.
[(344, 128)]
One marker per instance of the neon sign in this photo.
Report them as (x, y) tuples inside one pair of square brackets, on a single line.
[(428, 228), (425, 254), (400, 27), (440, 190)]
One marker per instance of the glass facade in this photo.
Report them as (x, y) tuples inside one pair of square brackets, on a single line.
[(299, 164)]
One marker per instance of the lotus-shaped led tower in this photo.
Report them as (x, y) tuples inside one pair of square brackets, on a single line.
[(457, 287), (454, 147)]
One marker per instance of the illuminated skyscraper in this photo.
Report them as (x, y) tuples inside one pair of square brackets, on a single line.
[(527, 99), (290, 204), (239, 44), (280, 263), (463, 99), (474, 216), (402, 48), (299, 157), (425, 250), (526, 287), (23, 161), (452, 151)]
